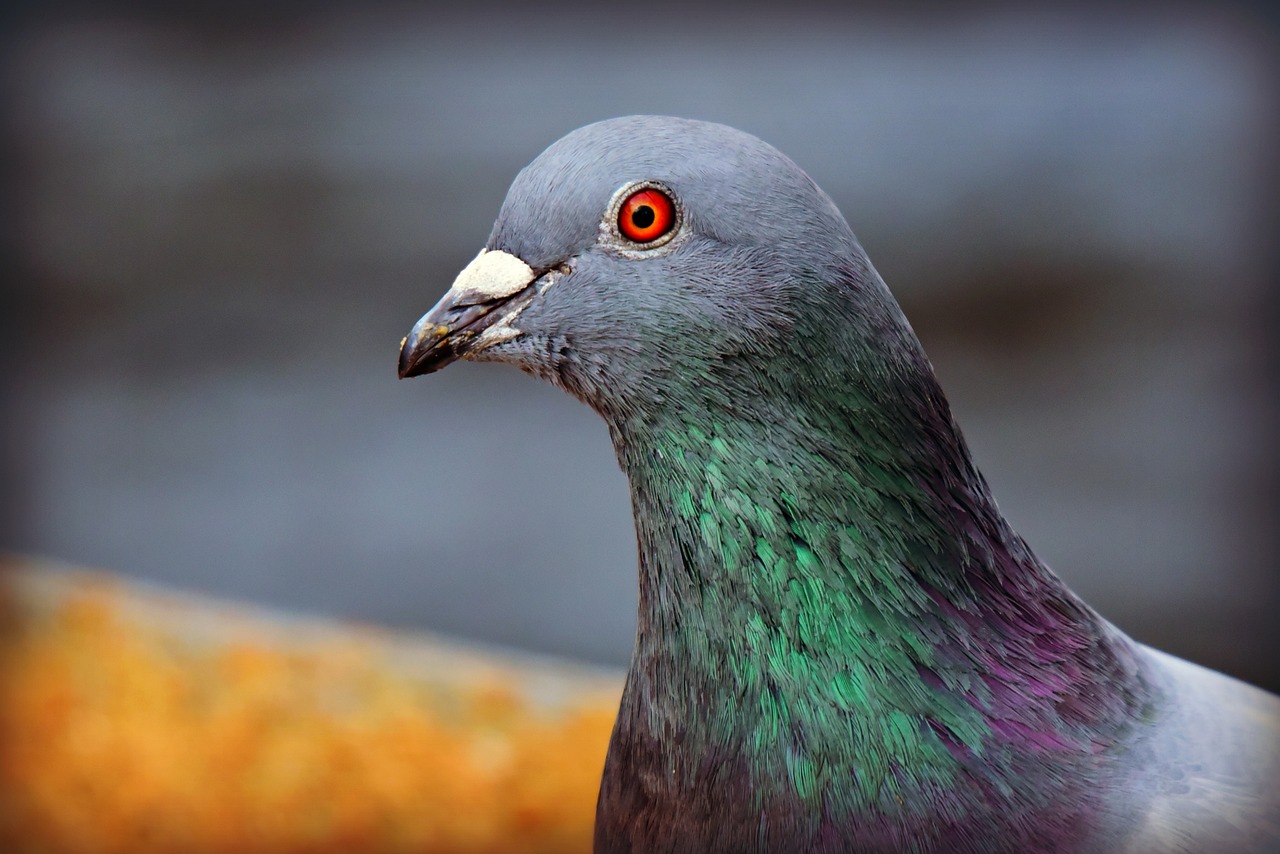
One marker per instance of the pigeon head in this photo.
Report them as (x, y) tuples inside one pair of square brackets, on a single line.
[(642, 256)]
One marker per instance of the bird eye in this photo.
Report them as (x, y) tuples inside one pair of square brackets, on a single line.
[(646, 215)]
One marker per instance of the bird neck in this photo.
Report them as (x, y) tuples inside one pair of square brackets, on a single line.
[(820, 589)]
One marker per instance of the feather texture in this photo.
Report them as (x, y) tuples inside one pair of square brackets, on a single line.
[(842, 645)]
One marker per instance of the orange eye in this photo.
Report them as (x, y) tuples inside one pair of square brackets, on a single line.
[(646, 215)]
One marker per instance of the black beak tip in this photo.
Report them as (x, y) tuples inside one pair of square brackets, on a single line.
[(419, 357), (411, 362), (405, 368)]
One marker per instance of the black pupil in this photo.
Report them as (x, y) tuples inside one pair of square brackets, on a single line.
[(643, 217)]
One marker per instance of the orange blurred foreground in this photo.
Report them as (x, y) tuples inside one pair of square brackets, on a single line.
[(134, 720)]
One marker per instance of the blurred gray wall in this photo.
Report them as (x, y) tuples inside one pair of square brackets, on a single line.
[(223, 224)]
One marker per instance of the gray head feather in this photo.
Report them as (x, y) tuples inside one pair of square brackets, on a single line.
[(761, 261)]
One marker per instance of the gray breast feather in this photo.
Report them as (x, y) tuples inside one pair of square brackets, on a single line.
[(1209, 768)]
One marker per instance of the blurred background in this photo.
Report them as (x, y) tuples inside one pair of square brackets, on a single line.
[(222, 220)]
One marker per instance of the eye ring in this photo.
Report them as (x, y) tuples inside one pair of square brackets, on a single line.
[(645, 215)]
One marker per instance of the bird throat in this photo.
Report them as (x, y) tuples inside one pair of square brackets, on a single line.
[(833, 610)]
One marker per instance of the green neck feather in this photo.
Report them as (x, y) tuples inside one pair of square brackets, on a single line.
[(813, 602)]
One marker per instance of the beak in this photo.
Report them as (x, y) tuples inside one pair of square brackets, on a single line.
[(489, 293)]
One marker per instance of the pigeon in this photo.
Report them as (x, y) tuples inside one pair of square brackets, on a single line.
[(842, 645)]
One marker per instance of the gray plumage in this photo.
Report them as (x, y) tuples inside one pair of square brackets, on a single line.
[(842, 644)]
